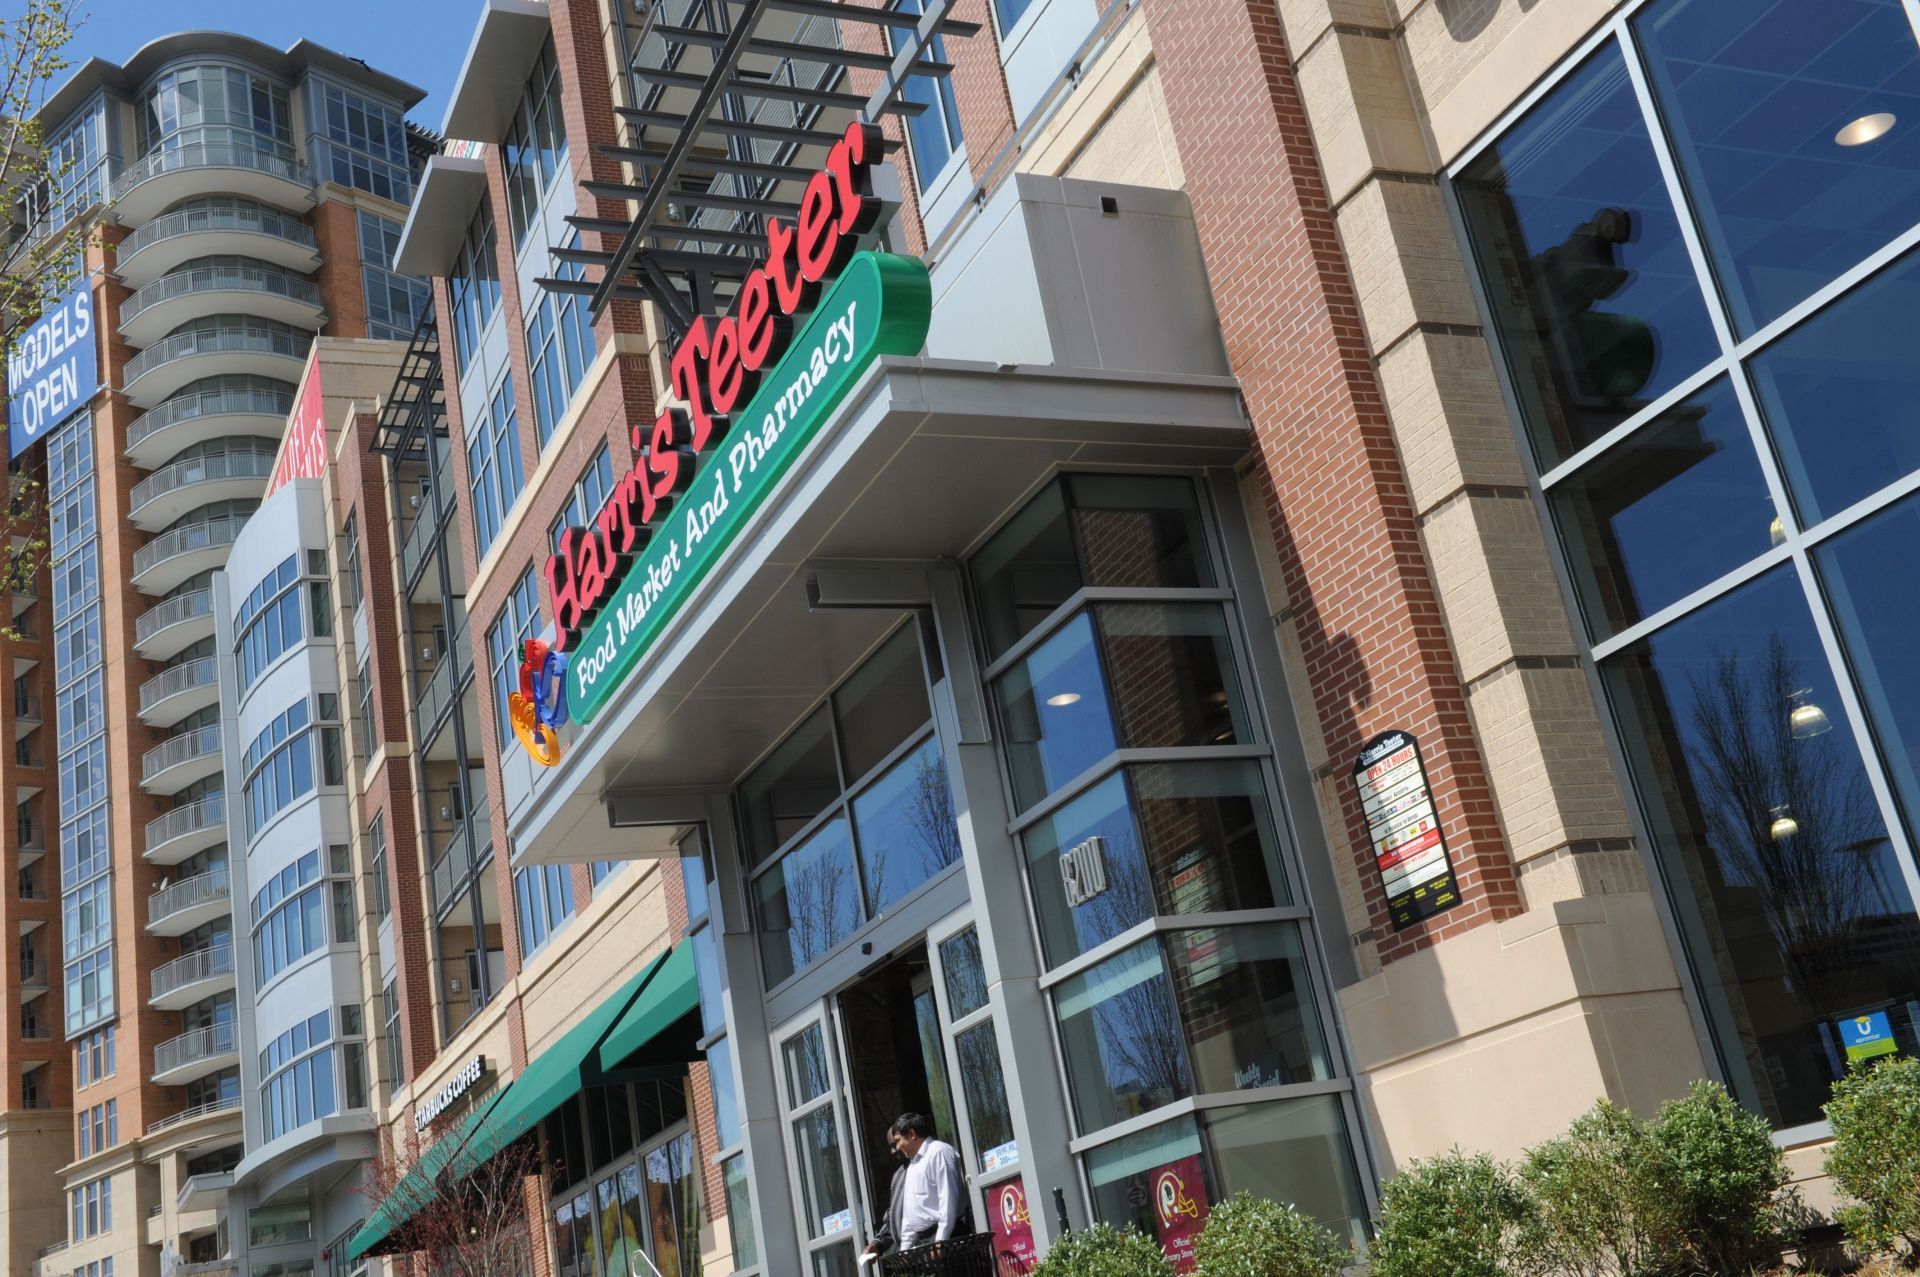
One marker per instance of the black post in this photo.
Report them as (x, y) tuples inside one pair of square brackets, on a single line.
[(1060, 1210)]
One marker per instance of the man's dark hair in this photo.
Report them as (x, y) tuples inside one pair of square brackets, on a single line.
[(912, 1124)]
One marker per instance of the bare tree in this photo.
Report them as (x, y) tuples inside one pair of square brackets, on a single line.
[(460, 1219)]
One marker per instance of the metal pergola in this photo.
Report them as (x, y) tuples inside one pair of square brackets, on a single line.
[(738, 103)]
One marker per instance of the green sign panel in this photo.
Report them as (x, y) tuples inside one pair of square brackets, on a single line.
[(880, 305)]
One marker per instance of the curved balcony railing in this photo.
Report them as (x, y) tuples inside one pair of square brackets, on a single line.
[(208, 403), (201, 889), (197, 743), (192, 968), (181, 678), (230, 277), (194, 221), (181, 607), (195, 1044), (206, 535), (242, 464), (228, 339), (192, 818), (206, 155), (221, 1105)]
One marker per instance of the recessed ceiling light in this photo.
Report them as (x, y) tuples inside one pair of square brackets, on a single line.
[(1865, 129), (1063, 699)]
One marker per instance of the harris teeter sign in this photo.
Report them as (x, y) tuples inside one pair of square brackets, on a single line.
[(616, 582)]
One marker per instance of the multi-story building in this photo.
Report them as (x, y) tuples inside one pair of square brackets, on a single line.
[(248, 198)]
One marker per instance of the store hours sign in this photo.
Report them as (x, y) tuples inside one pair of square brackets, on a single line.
[(52, 371), (1409, 849)]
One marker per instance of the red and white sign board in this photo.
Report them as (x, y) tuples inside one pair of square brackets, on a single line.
[(303, 453)]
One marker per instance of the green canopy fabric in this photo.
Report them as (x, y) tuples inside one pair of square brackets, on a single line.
[(658, 995)]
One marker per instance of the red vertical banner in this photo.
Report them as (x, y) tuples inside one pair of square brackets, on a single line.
[(1012, 1228), (303, 453), (1179, 1192)]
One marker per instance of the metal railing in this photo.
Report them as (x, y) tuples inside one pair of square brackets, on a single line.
[(227, 277), (468, 850), (198, 743), (206, 155), (192, 968), (206, 1268), (32, 970), (206, 535), (182, 607), (181, 821), (258, 221), (208, 403), (177, 679), (209, 341), (198, 890), (449, 676), (26, 705), (195, 1044), (207, 1109), (241, 463)]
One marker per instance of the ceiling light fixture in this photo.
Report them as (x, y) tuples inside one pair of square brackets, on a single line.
[(1807, 719), (1865, 129), (1061, 700), (1784, 825)]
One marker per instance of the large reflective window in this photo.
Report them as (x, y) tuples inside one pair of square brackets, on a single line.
[(906, 825), (1589, 281), (1796, 124), (797, 782), (1868, 573), (1782, 875), (1053, 705), (1838, 393), (808, 902), (1679, 504), (882, 703), (1120, 1030), (1293, 1151)]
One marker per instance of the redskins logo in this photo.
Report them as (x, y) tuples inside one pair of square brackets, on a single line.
[(1170, 1198), (1013, 1206)]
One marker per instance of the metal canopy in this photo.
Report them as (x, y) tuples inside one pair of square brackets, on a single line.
[(736, 105), (415, 411)]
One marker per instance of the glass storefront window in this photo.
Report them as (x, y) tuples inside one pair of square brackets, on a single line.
[(906, 826), (726, 1100), (1054, 707), (1591, 288), (1120, 1032), (1155, 1181), (799, 780), (823, 1184), (985, 1087), (1204, 844), (1293, 1151), (1780, 867), (808, 903), (1794, 127), (1671, 509), (733, 1175), (966, 974), (882, 704), (673, 1206), (1838, 394)]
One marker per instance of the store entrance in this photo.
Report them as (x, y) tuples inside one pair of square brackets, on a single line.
[(895, 1063)]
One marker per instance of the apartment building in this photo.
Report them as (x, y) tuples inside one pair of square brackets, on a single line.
[(1343, 606), (248, 198)]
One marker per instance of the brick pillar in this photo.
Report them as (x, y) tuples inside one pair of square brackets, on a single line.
[(1359, 592)]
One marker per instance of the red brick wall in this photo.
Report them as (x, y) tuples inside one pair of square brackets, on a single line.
[(1357, 581)]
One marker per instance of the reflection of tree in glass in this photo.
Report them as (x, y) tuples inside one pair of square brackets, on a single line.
[(823, 903), (933, 816), (1141, 1044), (1815, 884)]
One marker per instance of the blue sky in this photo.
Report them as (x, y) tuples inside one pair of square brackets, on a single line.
[(421, 41)]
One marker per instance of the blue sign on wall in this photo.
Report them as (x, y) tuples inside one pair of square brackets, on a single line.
[(1867, 1036), (53, 370)]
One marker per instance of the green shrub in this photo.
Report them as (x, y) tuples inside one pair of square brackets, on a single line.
[(1731, 1209), (1253, 1237), (1604, 1200), (1452, 1216), (1875, 1156), (1100, 1251)]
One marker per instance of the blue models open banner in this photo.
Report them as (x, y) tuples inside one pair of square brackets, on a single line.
[(53, 370)]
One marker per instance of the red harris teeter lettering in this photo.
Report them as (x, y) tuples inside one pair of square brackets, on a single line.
[(716, 369)]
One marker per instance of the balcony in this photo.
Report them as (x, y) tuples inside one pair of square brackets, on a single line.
[(185, 420), (172, 765), (170, 558), (208, 1268), (159, 371), (441, 691), (191, 977), (26, 713), (195, 1054), (172, 694), (167, 242), (187, 831), (204, 1191), (211, 1108), (168, 493), (33, 976), (176, 910), (165, 177), (196, 292), (173, 625)]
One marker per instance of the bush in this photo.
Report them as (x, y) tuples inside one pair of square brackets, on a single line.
[(1453, 1216), (1252, 1237), (1875, 1157), (1731, 1210), (1603, 1200), (1102, 1252)]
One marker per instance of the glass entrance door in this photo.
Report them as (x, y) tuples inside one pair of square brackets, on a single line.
[(818, 1149)]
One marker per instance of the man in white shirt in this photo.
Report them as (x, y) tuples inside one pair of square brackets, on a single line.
[(935, 1193)]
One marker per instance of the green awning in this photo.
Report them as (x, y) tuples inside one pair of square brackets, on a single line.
[(418, 1186), (673, 993)]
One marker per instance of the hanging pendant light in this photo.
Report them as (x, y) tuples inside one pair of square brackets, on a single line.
[(1776, 531), (1784, 825), (1807, 719)]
